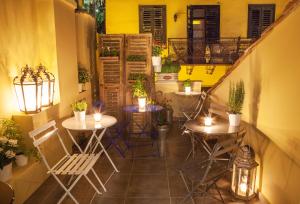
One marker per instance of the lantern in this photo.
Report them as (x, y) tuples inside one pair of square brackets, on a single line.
[(28, 89), (48, 86), (244, 174)]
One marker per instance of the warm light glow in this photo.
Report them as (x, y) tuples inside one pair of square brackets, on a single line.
[(208, 121), (142, 104), (187, 90), (47, 98), (97, 117), (243, 185), (207, 129), (30, 98)]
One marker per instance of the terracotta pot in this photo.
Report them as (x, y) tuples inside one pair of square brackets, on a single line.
[(234, 119), (79, 115), (6, 172), (21, 160)]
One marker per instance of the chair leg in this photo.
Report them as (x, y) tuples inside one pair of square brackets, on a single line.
[(67, 190), (99, 180), (92, 184), (218, 190)]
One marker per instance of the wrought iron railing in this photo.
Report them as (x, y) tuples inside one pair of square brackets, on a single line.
[(199, 51)]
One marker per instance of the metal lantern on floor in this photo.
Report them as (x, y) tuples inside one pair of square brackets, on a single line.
[(244, 174), (28, 89), (48, 85)]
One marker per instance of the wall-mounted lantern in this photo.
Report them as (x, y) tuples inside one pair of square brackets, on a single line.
[(28, 89), (244, 174), (48, 85)]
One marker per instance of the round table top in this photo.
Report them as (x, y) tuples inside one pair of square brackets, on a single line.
[(149, 108), (89, 123), (219, 127), (192, 93)]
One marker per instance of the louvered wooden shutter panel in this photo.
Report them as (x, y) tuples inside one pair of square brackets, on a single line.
[(267, 16), (259, 18), (153, 20), (212, 16)]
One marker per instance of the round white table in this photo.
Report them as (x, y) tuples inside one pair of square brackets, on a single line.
[(89, 124), (192, 93)]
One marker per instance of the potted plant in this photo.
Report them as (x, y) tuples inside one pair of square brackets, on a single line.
[(168, 110), (169, 70), (156, 58), (139, 91), (79, 109), (109, 54), (10, 135), (83, 77), (136, 58), (235, 102), (187, 86)]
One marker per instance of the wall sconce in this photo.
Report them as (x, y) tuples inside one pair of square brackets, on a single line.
[(189, 70), (28, 89), (175, 17), (210, 69), (244, 174), (48, 85)]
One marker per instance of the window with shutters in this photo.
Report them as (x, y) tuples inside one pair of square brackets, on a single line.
[(153, 20), (260, 16)]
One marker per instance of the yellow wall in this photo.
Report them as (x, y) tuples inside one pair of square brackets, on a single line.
[(203, 73), (27, 37), (122, 16), (271, 75)]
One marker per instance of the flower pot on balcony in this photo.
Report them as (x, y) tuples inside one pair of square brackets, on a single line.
[(234, 119), (142, 103), (6, 172), (21, 160), (79, 115)]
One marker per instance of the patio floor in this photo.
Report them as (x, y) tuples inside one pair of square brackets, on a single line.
[(140, 181)]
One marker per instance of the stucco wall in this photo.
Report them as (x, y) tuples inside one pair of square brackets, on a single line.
[(27, 37), (271, 75), (122, 16)]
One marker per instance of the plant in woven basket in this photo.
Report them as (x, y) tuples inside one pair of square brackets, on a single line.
[(236, 97)]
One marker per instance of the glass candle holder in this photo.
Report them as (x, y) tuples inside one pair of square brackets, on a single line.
[(97, 117), (208, 121)]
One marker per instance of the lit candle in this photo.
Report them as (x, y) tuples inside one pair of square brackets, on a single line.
[(243, 185), (142, 104), (97, 117), (187, 90), (207, 121)]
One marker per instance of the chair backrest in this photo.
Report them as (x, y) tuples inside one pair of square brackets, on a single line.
[(217, 109), (44, 133), (200, 104)]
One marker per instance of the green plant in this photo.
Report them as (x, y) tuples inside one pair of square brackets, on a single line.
[(156, 50), (136, 58), (138, 89), (135, 76), (107, 52), (236, 97), (187, 83), (83, 75), (11, 142), (78, 106), (169, 66)]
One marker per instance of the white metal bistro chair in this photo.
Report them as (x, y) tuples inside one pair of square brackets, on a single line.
[(76, 165), (194, 111)]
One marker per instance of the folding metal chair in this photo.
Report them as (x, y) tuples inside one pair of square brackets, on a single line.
[(194, 111), (76, 165), (200, 176)]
